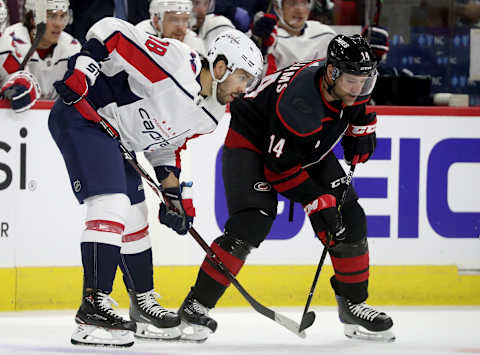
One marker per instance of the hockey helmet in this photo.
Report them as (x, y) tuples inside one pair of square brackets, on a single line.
[(353, 56), (239, 51), (52, 5), (159, 7)]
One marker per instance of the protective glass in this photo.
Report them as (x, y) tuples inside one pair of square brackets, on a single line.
[(58, 17), (299, 3), (177, 18), (357, 85)]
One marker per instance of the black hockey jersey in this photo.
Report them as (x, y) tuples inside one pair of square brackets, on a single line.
[(288, 120)]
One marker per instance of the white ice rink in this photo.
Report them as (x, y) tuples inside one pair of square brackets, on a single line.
[(419, 331)]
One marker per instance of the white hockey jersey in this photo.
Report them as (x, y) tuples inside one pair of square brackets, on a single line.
[(311, 44), (212, 27), (191, 39), (162, 77), (14, 45)]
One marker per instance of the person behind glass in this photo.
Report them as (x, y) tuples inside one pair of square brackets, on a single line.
[(3, 16), (207, 24), (170, 19), (293, 38), (47, 64), (281, 136)]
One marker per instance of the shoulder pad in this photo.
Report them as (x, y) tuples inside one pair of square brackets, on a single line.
[(299, 105)]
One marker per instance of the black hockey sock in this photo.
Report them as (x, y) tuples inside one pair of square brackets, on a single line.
[(100, 263), (137, 270), (207, 291)]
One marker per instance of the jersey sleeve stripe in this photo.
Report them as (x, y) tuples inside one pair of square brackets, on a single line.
[(136, 57), (291, 183), (236, 140)]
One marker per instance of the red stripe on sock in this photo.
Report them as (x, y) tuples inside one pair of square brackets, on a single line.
[(231, 262)]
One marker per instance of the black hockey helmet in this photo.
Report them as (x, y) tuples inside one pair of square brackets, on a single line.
[(350, 54)]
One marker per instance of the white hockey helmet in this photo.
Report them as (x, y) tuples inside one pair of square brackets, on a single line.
[(3, 16), (159, 7), (240, 52), (52, 5)]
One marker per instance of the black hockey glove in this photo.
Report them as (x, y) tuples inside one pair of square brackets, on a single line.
[(81, 74), (180, 212), (360, 141), (264, 32), (323, 215)]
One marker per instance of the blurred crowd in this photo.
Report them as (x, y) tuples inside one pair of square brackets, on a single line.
[(286, 31)]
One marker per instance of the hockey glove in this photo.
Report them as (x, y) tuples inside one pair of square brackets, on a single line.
[(22, 90), (377, 37), (81, 74), (360, 141), (179, 212), (323, 215), (265, 30)]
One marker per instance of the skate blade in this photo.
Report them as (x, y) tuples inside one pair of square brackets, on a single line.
[(147, 331), (91, 335), (194, 333), (354, 331)]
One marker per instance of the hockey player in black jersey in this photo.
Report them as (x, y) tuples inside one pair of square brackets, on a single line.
[(282, 135)]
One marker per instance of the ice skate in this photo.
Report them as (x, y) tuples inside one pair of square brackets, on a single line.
[(364, 322), (153, 321), (99, 324), (196, 324)]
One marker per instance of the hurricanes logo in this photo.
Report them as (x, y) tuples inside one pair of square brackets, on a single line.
[(262, 186)]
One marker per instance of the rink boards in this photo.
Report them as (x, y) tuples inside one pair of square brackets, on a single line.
[(419, 191)]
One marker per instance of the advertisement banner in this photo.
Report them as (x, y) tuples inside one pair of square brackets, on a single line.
[(419, 191)]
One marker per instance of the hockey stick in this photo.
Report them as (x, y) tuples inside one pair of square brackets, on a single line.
[(309, 317), (88, 112), (41, 22)]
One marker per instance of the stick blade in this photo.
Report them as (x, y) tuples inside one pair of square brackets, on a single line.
[(307, 321)]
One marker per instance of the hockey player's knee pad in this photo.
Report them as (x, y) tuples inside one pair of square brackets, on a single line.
[(252, 226), (136, 237), (106, 218)]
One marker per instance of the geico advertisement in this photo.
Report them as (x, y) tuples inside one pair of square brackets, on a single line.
[(418, 190)]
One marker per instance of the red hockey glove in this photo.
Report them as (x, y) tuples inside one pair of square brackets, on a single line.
[(360, 141), (22, 90), (81, 74), (323, 215), (179, 213)]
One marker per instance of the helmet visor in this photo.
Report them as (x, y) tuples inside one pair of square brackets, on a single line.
[(357, 85)]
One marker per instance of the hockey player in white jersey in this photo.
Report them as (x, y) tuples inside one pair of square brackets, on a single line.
[(157, 94), (205, 23), (170, 19), (3, 16), (47, 64), (297, 40)]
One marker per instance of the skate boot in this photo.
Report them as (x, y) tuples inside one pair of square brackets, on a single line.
[(364, 322), (99, 324), (153, 321), (196, 324)]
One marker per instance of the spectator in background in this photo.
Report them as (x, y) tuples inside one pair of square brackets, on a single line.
[(240, 12), (296, 38), (86, 13), (47, 64), (3, 16), (205, 23), (170, 19), (469, 13)]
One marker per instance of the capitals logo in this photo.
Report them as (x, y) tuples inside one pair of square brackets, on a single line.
[(192, 62)]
